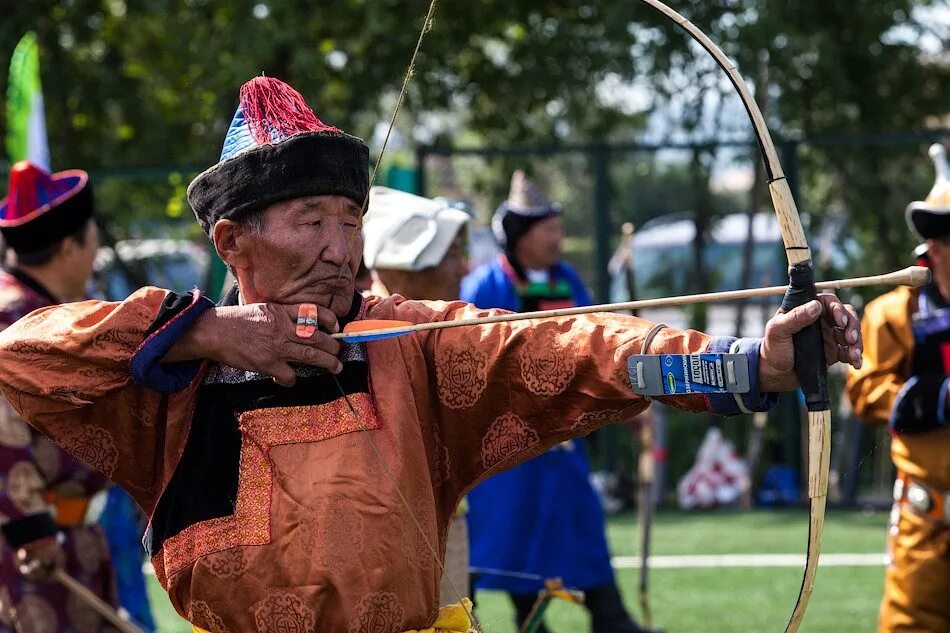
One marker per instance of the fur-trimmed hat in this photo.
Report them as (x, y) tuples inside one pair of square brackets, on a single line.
[(930, 218), (42, 208), (277, 149), (526, 204)]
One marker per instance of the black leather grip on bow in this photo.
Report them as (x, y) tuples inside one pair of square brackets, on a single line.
[(810, 367)]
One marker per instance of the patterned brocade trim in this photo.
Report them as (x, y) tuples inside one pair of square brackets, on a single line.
[(293, 425), (261, 429)]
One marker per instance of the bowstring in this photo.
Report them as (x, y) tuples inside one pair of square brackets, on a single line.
[(426, 25)]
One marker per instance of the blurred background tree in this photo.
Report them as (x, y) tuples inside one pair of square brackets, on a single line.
[(140, 84)]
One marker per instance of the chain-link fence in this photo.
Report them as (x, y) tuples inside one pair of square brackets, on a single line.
[(851, 189)]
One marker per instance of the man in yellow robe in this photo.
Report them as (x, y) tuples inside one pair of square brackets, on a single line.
[(903, 383)]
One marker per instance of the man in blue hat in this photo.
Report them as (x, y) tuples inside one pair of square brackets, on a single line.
[(561, 530)]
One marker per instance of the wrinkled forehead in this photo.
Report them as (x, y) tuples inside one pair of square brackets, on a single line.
[(325, 204)]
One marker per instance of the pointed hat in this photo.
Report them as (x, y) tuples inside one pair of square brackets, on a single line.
[(277, 149), (526, 204), (930, 218)]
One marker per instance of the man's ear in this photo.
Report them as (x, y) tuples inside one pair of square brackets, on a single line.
[(935, 247), (68, 247), (227, 236)]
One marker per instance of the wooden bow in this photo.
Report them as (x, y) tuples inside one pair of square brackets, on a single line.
[(809, 356)]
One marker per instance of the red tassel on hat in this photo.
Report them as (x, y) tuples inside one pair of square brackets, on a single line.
[(270, 105)]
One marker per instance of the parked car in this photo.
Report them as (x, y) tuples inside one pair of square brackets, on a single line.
[(178, 265), (663, 266)]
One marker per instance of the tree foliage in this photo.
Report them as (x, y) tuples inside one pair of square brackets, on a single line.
[(139, 83)]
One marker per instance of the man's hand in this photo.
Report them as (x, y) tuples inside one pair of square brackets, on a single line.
[(260, 337), (840, 329), (38, 560)]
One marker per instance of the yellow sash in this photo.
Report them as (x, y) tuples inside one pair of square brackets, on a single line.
[(452, 619)]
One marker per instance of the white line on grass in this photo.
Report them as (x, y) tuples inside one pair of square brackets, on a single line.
[(729, 560), (750, 560)]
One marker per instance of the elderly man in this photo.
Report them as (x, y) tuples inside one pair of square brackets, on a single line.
[(414, 246), (294, 484)]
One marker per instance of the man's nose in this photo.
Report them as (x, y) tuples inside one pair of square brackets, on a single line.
[(337, 246)]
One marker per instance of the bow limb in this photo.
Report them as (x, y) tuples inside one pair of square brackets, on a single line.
[(809, 349), (647, 460), (645, 506)]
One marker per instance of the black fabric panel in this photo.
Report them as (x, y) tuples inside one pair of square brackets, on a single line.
[(205, 482), (310, 164), (917, 411), (307, 391), (28, 529), (174, 304)]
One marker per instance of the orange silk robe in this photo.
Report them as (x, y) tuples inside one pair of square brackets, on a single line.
[(319, 539), (873, 389)]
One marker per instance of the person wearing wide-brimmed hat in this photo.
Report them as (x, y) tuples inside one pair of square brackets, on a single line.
[(46, 223), (905, 383), (295, 483)]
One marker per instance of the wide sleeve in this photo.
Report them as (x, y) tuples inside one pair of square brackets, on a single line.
[(86, 375), (506, 392), (888, 347)]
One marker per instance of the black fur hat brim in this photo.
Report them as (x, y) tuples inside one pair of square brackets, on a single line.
[(308, 164), (928, 221)]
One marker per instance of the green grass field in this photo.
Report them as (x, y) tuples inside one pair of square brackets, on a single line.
[(715, 600)]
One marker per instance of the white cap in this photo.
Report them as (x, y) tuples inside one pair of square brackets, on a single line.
[(403, 231)]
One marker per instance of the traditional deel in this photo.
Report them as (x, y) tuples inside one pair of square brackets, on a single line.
[(904, 383), (44, 491), (267, 505), (555, 484)]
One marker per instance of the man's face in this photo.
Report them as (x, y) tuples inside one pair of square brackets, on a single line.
[(540, 246), (78, 258), (308, 251), (442, 282), (445, 280), (87, 254)]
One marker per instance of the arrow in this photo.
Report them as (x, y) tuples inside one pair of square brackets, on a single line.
[(372, 330)]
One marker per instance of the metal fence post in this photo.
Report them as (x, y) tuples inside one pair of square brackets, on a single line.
[(421, 152), (601, 158)]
